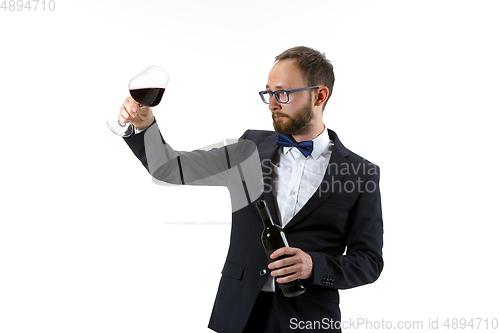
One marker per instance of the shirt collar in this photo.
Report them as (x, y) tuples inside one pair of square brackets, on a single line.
[(320, 143)]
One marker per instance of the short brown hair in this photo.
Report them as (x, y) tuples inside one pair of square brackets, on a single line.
[(316, 69)]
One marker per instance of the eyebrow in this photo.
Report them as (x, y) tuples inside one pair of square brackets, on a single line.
[(277, 87)]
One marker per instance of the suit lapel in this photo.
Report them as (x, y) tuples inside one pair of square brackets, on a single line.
[(326, 188)]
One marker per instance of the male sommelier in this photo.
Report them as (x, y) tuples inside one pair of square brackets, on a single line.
[(325, 197)]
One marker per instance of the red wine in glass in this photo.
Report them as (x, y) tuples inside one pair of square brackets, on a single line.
[(147, 96), (146, 89)]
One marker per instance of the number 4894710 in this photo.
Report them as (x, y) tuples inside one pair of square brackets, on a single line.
[(28, 5)]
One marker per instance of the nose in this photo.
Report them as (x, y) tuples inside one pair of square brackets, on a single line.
[(274, 105)]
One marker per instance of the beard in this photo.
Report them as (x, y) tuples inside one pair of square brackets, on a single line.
[(296, 125)]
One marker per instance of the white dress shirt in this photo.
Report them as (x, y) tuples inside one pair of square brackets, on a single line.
[(296, 178)]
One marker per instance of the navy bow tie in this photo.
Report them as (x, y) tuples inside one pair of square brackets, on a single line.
[(305, 147)]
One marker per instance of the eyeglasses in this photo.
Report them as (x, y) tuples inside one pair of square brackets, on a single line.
[(282, 96)]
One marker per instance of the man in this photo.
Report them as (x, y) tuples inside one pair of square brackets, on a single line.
[(324, 196)]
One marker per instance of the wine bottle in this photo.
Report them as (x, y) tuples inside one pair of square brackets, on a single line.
[(273, 238)]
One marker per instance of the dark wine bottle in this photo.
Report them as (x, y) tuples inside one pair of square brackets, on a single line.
[(273, 238)]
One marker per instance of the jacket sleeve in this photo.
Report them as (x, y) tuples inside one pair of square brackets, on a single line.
[(362, 262), (231, 165)]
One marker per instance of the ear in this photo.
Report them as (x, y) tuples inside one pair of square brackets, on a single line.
[(321, 95)]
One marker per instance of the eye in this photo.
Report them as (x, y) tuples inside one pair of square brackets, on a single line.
[(282, 95)]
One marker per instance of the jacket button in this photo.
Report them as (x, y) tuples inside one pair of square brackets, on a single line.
[(262, 272)]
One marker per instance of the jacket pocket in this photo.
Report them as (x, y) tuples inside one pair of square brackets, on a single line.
[(233, 270)]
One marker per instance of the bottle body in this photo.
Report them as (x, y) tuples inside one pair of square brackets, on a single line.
[(273, 238)]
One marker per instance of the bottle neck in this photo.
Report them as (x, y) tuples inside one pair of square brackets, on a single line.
[(268, 223), (265, 215)]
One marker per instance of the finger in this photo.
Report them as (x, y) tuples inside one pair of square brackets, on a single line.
[(131, 105), (282, 251), (288, 278), (283, 271), (282, 263), (129, 110), (290, 273), (124, 115)]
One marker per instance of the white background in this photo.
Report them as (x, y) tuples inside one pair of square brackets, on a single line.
[(89, 244)]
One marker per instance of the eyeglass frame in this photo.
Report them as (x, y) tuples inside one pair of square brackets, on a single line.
[(288, 92)]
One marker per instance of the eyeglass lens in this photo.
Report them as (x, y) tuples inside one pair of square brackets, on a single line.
[(281, 96)]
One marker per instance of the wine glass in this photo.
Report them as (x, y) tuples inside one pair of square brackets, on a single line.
[(147, 89)]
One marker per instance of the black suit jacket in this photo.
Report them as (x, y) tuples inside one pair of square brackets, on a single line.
[(340, 227)]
